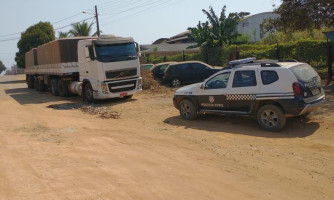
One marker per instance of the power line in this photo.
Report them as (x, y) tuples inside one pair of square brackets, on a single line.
[(134, 8), (67, 18), (74, 23), (9, 39), (142, 11)]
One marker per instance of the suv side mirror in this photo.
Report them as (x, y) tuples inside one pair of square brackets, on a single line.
[(201, 86)]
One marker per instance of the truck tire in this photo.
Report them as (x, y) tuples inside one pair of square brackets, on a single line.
[(63, 88), (42, 86), (188, 110), (271, 117), (54, 87), (88, 93), (36, 84), (30, 82)]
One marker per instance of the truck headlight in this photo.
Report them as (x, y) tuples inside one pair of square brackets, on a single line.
[(104, 88)]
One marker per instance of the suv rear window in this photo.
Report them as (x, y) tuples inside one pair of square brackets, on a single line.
[(304, 72), (268, 77)]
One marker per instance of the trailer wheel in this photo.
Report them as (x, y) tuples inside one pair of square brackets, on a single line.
[(54, 87), (63, 88), (42, 86), (30, 82), (88, 93), (36, 84)]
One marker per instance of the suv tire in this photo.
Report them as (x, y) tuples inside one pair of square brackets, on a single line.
[(188, 110), (176, 82), (271, 117)]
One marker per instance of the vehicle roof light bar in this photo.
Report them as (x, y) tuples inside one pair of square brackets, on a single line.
[(242, 61)]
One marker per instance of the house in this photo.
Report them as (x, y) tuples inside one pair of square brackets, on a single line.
[(252, 25)]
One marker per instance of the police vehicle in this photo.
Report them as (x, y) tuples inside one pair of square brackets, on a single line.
[(269, 90)]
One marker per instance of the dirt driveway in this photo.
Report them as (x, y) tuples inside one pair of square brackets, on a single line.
[(151, 153)]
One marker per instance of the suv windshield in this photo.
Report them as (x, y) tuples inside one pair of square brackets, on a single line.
[(116, 52), (304, 72)]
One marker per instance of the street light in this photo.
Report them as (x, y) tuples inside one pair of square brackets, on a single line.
[(97, 20)]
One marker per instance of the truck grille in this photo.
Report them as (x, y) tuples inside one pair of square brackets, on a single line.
[(122, 86), (121, 73)]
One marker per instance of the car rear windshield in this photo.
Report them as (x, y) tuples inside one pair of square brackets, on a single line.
[(304, 72)]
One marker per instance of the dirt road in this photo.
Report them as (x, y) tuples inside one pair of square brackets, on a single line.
[(151, 153)]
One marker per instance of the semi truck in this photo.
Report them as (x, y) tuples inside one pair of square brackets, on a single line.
[(93, 67)]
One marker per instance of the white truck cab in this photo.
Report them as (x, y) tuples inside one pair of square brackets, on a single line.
[(93, 67), (111, 65), (269, 90)]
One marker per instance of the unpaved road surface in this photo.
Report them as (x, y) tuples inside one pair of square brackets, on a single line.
[(151, 153)]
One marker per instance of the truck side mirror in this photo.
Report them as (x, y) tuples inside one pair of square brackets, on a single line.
[(87, 54)]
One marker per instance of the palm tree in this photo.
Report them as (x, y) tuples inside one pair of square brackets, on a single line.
[(81, 29), (217, 31), (63, 34)]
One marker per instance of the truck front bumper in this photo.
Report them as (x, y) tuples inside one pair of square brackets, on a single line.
[(119, 89)]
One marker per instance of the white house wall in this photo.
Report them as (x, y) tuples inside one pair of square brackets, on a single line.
[(250, 25)]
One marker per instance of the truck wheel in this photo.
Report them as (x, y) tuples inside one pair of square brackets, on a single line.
[(31, 82), (271, 117), (42, 86), (176, 82), (54, 87), (188, 110), (63, 88), (36, 84), (88, 93)]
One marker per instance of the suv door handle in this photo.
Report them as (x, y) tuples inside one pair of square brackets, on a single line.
[(86, 72)]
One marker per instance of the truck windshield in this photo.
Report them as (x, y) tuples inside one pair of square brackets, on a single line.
[(116, 52)]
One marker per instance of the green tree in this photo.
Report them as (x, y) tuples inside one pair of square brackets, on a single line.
[(2, 67), (81, 29), (299, 15), (34, 36), (62, 34), (217, 31)]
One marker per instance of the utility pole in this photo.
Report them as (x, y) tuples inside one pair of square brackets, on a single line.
[(97, 22)]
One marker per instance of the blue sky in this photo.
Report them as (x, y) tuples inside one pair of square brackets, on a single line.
[(144, 20)]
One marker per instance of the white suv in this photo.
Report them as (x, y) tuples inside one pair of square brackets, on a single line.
[(269, 90)]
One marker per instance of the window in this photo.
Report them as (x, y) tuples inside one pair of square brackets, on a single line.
[(199, 68), (268, 77), (244, 79), (184, 68), (219, 81), (245, 24)]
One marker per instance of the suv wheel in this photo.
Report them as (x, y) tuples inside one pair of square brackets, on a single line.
[(271, 117), (188, 110), (176, 82)]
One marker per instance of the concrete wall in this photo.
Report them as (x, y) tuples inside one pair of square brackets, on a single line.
[(251, 25)]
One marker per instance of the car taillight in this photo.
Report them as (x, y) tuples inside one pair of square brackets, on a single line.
[(297, 89), (166, 74)]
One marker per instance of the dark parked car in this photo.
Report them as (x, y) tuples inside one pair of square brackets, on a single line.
[(187, 72), (147, 66), (159, 69)]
